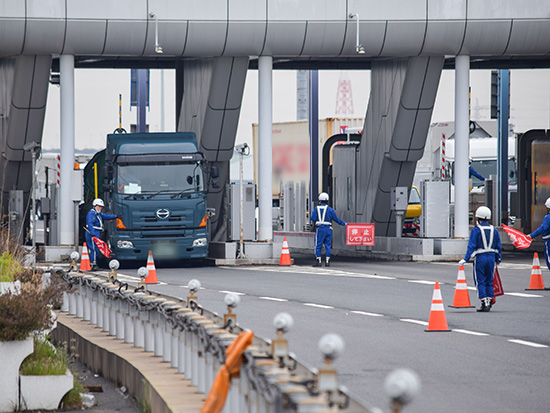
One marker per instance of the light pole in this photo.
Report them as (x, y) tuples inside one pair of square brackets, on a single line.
[(33, 148), (242, 150), (359, 49)]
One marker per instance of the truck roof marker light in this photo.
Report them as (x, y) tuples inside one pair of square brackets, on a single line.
[(120, 224), (203, 222)]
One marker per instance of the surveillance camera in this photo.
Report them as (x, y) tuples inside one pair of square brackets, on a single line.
[(241, 148), (283, 322), (232, 300), (402, 385), (331, 345), (194, 285), (114, 265), (143, 272), (75, 255)]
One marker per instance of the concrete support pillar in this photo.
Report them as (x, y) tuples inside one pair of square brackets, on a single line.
[(265, 128), (66, 207), (462, 145)]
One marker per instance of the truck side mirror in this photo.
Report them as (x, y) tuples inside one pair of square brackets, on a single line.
[(108, 171)]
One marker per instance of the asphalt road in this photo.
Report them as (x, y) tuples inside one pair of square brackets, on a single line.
[(497, 361)]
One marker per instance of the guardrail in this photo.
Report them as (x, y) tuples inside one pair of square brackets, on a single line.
[(194, 341)]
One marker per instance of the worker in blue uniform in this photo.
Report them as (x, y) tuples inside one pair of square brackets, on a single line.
[(94, 226), (544, 230), (484, 247), (322, 217), (473, 172)]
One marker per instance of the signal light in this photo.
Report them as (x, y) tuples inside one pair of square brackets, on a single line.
[(120, 224), (203, 222)]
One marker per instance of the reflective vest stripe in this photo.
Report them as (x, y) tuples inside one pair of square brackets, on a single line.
[(486, 245), (322, 212)]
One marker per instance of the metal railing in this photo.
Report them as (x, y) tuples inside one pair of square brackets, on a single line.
[(194, 341)]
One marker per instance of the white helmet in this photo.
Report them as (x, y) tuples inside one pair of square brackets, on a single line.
[(323, 196), (547, 203), (483, 213), (98, 201)]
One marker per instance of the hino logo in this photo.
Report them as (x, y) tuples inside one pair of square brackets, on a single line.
[(162, 213)]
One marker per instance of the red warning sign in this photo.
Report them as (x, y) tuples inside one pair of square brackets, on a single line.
[(359, 234)]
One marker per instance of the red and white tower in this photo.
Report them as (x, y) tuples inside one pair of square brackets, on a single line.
[(344, 98)]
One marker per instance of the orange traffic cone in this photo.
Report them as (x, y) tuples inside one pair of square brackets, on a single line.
[(536, 275), (462, 297), (152, 277), (438, 321), (285, 254), (85, 264)]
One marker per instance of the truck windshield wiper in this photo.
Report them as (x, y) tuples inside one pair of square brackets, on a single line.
[(135, 195), (160, 192), (188, 190)]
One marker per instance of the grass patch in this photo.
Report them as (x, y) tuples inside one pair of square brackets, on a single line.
[(73, 399), (46, 360), (9, 266)]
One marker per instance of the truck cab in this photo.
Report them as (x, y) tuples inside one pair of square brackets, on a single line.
[(156, 185)]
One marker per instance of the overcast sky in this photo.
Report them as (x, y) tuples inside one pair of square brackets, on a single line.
[(97, 91)]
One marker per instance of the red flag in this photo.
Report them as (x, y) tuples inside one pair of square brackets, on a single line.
[(519, 239), (102, 246), (497, 284)]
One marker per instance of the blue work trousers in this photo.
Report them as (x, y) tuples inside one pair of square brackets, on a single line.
[(323, 236), (484, 269), (547, 252), (92, 248)]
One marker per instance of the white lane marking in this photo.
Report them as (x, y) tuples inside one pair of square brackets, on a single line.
[(472, 288), (504, 265), (231, 292), (369, 314), (128, 277), (317, 305), (410, 320), (272, 299), (474, 333), (524, 295), (423, 282), (528, 343), (125, 277), (319, 271)]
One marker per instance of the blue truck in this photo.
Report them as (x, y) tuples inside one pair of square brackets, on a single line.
[(156, 183)]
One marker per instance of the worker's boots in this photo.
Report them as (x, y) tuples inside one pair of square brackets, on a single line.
[(485, 305), (317, 262), (327, 262)]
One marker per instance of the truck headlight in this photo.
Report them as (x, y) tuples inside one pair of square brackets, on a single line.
[(199, 242), (124, 244)]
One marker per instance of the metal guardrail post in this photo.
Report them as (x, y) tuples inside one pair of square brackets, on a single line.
[(86, 297), (79, 302), (112, 306), (94, 298), (65, 303), (204, 326), (174, 333), (182, 349), (72, 302), (167, 308), (139, 328), (102, 311), (149, 330), (156, 318)]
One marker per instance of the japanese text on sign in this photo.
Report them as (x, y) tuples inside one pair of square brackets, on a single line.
[(359, 234)]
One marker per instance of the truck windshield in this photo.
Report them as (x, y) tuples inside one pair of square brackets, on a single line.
[(159, 178), (488, 167)]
